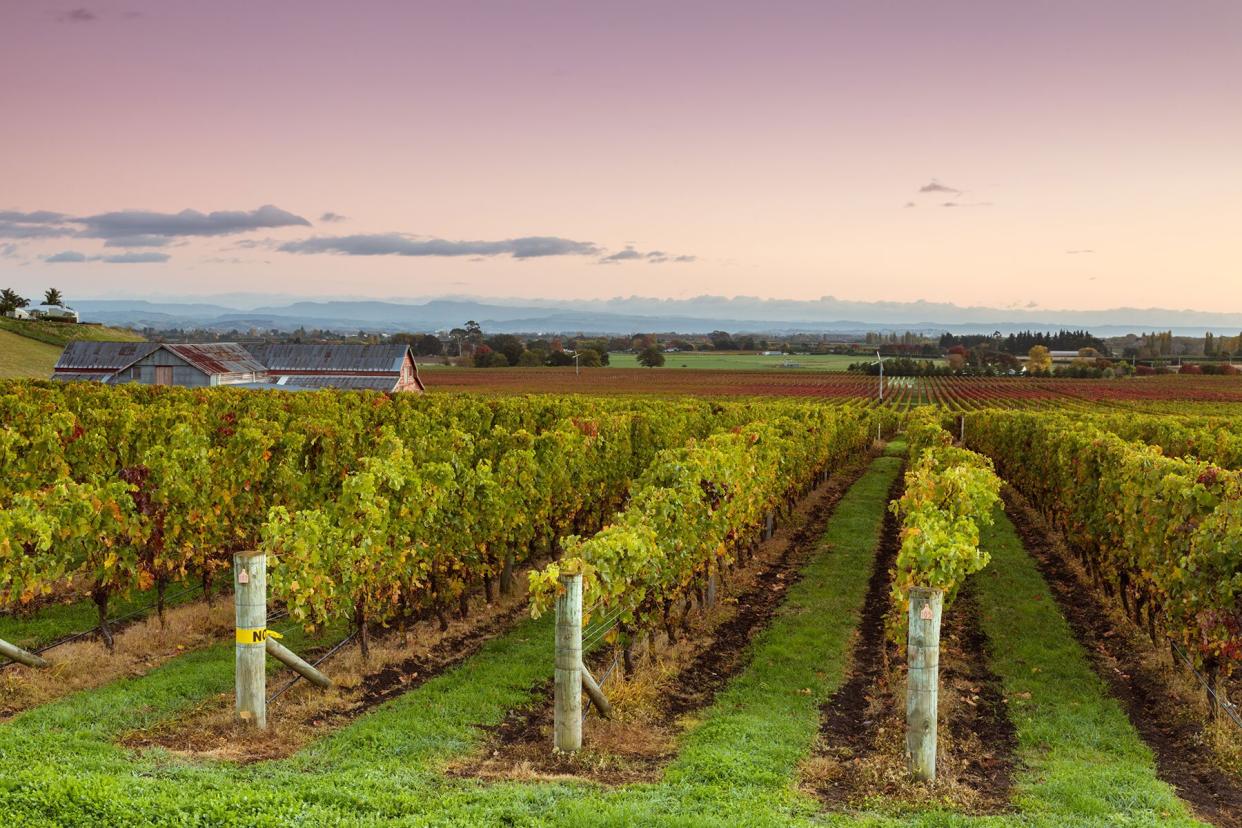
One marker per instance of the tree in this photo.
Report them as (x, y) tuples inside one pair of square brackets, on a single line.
[(1038, 360), (428, 345), (52, 296), (507, 344), (589, 358), (11, 301), (651, 358)]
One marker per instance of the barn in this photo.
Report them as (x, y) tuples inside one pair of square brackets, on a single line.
[(285, 367), (388, 367), (194, 366)]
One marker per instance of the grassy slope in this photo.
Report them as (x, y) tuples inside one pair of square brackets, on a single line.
[(22, 357), (30, 349), (59, 333)]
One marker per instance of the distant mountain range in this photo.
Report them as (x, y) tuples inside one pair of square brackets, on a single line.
[(701, 314)]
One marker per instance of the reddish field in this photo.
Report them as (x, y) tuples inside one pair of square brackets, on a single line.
[(964, 392)]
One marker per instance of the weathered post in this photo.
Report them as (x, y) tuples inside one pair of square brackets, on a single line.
[(769, 527), (595, 693), (567, 713), (962, 438), (295, 662), (922, 684), (12, 651), (250, 610)]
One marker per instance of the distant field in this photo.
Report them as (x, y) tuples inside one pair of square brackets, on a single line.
[(707, 360), (22, 357), (956, 392)]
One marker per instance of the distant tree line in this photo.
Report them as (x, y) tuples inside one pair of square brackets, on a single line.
[(1021, 343)]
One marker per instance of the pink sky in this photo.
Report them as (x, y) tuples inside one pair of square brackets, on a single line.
[(774, 144)]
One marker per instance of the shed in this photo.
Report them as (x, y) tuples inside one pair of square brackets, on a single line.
[(195, 366), (98, 361), (388, 367)]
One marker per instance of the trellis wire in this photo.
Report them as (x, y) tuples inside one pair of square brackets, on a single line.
[(596, 631), (1223, 704), (78, 635)]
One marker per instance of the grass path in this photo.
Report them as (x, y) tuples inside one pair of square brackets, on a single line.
[(1083, 761)]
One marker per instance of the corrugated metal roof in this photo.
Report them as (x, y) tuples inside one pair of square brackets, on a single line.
[(356, 383), (341, 357), (83, 376), (102, 356), (218, 358)]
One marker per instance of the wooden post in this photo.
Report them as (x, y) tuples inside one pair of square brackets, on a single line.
[(711, 586), (250, 610), (594, 693), (769, 528), (567, 713), (922, 684), (12, 651), (294, 662), (962, 439)]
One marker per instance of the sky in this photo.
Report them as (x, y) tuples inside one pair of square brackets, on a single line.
[(1011, 154)]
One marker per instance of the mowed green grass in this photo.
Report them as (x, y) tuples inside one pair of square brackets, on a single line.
[(21, 357)]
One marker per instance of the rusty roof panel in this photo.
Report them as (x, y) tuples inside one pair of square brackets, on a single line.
[(379, 359), (218, 358), (103, 356)]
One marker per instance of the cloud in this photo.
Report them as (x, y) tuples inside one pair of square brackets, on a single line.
[(40, 224), (936, 187), (401, 244), (145, 257), (630, 254), (130, 223), (685, 259), (66, 256), (142, 228), (78, 15), (911, 204), (128, 257), (36, 217), (140, 240), (332, 217), (1076, 252), (8, 251)]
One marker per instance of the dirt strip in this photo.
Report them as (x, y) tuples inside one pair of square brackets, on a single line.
[(860, 759), (652, 707), (1174, 734)]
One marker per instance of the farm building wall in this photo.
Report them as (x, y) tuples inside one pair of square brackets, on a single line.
[(183, 373)]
